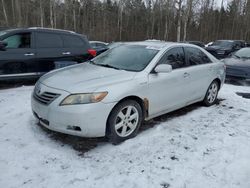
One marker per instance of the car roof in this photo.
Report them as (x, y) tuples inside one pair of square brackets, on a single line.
[(92, 41), (154, 44), (232, 40), (40, 29)]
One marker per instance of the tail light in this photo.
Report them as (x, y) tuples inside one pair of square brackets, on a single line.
[(92, 52)]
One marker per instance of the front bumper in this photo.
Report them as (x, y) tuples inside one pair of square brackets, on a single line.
[(86, 120)]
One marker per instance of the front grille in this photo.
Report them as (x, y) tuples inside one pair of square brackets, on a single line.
[(46, 97)]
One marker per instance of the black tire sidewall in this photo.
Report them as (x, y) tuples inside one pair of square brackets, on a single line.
[(111, 133)]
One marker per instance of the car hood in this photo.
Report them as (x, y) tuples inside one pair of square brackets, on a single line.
[(237, 62), (214, 48), (85, 77)]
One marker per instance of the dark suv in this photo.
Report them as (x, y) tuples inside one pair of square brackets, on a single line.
[(29, 53), (223, 48)]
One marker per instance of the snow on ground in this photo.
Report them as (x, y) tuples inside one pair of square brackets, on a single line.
[(192, 148)]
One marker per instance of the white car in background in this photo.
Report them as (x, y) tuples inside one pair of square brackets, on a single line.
[(112, 94)]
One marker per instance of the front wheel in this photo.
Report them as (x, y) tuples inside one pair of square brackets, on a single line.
[(124, 121), (212, 93)]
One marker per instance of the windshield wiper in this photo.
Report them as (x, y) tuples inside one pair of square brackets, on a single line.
[(245, 57), (108, 66), (91, 61), (237, 56)]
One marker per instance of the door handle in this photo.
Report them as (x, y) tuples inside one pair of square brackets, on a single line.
[(185, 75), (66, 53), (29, 54)]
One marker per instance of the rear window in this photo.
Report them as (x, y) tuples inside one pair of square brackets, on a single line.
[(71, 41), (48, 40)]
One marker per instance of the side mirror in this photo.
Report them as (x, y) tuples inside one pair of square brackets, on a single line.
[(163, 68), (3, 45)]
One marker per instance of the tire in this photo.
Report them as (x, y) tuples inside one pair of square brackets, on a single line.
[(124, 121), (212, 93)]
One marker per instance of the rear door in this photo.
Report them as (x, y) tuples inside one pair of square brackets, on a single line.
[(49, 47), (19, 57), (201, 72), (75, 47)]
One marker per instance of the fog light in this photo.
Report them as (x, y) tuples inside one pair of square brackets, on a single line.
[(74, 128)]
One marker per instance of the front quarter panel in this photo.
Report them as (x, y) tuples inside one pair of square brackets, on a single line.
[(135, 87)]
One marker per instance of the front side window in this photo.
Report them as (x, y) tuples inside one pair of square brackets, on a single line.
[(127, 57), (18, 41), (48, 40), (174, 57), (196, 56)]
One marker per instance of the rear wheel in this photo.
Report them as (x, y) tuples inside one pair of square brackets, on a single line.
[(124, 121), (212, 93)]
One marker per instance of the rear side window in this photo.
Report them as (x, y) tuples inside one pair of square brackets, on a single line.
[(196, 56), (71, 41), (48, 40), (174, 57), (21, 40)]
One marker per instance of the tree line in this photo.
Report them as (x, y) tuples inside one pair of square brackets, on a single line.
[(131, 20)]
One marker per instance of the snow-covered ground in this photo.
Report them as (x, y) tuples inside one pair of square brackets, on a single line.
[(196, 147)]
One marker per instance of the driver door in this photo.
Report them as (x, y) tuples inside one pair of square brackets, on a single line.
[(168, 91), (18, 57)]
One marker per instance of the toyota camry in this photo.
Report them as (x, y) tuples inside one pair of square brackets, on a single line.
[(112, 94)]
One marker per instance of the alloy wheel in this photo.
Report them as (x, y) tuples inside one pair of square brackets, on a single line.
[(212, 93), (126, 121)]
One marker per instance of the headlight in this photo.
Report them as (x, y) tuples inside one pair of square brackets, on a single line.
[(84, 98)]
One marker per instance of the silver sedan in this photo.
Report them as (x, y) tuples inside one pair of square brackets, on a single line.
[(112, 94)]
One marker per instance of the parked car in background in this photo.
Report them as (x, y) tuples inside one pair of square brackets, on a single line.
[(115, 44), (32, 52), (238, 65), (197, 43), (223, 48), (209, 44), (113, 93), (99, 46)]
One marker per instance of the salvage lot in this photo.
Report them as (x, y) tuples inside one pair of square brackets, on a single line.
[(192, 147)]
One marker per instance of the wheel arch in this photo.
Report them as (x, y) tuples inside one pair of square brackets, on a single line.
[(144, 104), (219, 82)]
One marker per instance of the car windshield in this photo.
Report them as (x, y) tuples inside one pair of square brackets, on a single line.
[(243, 53), (223, 43), (126, 57)]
